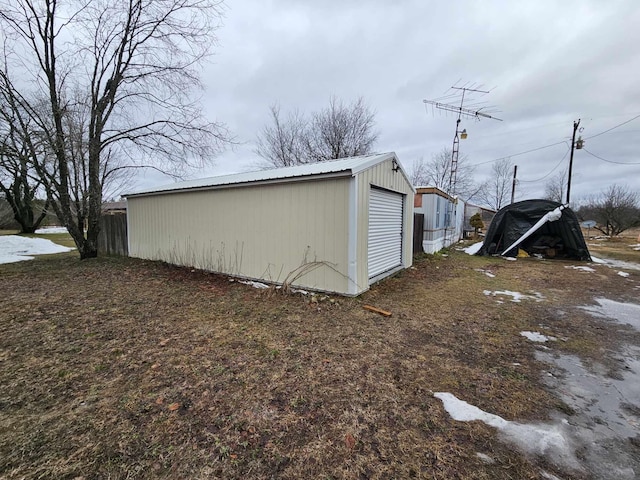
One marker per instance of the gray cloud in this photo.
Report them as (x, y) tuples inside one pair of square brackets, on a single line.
[(551, 63)]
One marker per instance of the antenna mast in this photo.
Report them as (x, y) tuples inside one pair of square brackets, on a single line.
[(473, 109), (463, 112)]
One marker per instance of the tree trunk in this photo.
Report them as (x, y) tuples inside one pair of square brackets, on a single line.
[(88, 250)]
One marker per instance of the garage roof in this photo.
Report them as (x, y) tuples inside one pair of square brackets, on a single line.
[(346, 166)]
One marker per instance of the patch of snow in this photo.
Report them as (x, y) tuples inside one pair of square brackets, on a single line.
[(611, 263), (486, 272), (513, 259), (473, 249), (604, 410), (548, 476), (254, 284), (45, 230), (620, 312), (547, 440), (537, 336), (485, 458), (623, 274), (14, 248), (581, 267), (517, 296), (297, 290)]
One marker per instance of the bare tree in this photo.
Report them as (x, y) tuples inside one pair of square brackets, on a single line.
[(555, 189), (437, 173), (496, 191), (135, 63), (615, 210), (18, 182), (341, 130), (282, 143)]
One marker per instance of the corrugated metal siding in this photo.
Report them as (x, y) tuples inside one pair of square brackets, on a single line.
[(383, 176), (262, 232), (385, 231)]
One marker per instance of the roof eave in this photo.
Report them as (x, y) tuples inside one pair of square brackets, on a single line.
[(272, 181)]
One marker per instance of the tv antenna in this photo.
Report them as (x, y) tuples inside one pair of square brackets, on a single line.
[(474, 109)]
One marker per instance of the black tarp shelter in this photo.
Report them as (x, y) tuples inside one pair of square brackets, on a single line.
[(557, 234)]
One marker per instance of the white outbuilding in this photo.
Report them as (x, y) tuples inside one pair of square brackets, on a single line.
[(443, 215), (335, 226)]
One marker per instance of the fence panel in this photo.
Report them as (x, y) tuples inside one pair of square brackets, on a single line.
[(418, 232), (113, 235)]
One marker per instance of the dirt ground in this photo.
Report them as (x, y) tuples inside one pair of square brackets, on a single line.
[(121, 368)]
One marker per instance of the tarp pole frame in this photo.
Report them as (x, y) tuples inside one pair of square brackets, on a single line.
[(551, 216)]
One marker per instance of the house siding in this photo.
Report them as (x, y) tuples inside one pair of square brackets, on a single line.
[(436, 207)]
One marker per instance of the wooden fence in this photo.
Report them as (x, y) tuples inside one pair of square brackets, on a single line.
[(113, 235), (418, 227)]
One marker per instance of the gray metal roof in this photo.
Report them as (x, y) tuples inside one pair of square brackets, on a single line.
[(351, 165)]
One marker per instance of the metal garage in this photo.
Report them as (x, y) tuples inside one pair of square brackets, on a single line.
[(334, 226)]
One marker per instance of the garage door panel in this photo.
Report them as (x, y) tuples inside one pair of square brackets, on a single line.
[(385, 231)]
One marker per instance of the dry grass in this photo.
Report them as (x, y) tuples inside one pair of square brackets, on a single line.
[(119, 368)]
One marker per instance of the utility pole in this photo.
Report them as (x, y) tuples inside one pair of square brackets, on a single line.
[(513, 186), (573, 145)]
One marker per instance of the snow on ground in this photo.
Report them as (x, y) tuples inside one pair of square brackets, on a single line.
[(624, 313), (254, 284), (537, 336), (636, 246), (486, 272), (472, 249), (581, 267), (14, 248), (517, 296), (611, 263), (623, 274), (548, 440), (46, 230)]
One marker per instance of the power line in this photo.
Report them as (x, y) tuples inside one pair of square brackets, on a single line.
[(552, 170), (609, 161), (613, 128), (521, 153)]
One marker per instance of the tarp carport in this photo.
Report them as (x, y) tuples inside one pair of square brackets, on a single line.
[(562, 237)]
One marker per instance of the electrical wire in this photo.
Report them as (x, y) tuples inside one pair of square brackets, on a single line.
[(613, 128), (552, 170), (609, 161), (521, 153)]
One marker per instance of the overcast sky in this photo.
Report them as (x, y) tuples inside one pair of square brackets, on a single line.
[(547, 64)]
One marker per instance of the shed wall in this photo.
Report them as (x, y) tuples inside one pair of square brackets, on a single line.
[(383, 176), (262, 232)]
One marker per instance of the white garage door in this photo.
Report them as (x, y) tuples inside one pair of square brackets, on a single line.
[(385, 231)]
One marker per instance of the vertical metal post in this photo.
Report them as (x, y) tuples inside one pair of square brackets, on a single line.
[(573, 145), (513, 186)]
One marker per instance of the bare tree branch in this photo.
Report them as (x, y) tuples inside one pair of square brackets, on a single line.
[(496, 192), (615, 210), (436, 173), (112, 77), (338, 131)]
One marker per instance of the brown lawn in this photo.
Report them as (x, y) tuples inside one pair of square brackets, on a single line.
[(120, 368)]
